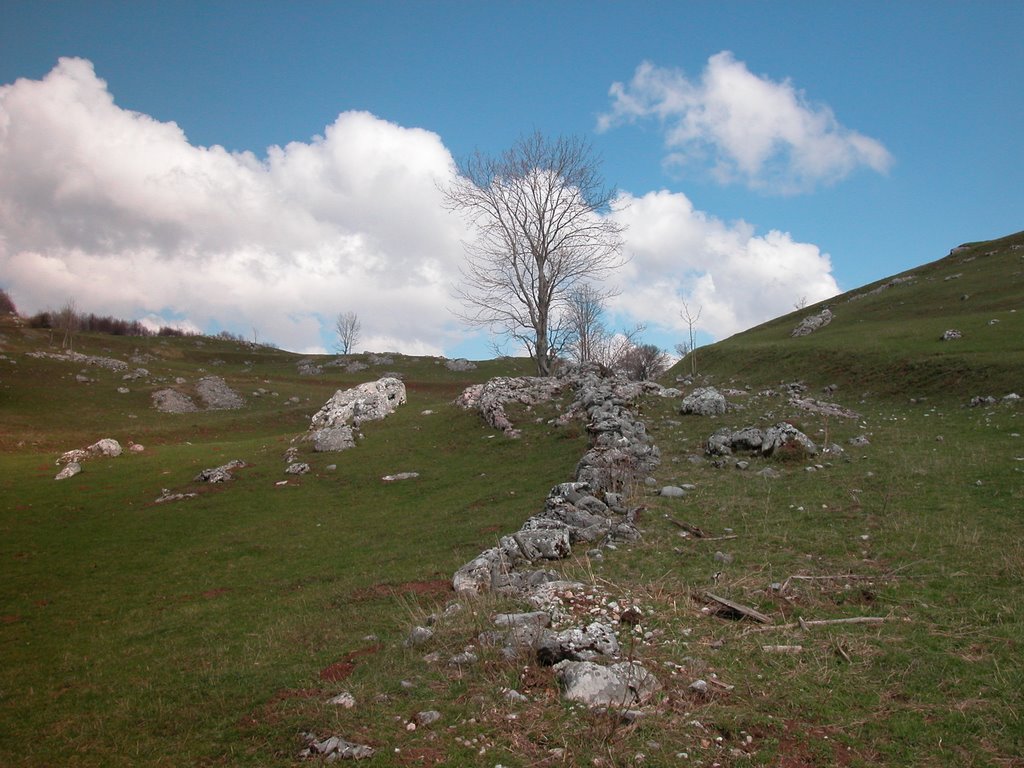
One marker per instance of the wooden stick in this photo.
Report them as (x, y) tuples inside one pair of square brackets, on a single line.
[(805, 624), (782, 648), (743, 610), (693, 529)]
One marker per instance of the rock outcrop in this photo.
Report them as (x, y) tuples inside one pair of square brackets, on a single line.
[(334, 426), (812, 323)]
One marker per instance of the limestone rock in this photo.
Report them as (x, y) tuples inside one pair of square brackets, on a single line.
[(812, 323), (704, 401), (577, 644), (219, 474), (620, 685), (71, 469), (371, 401)]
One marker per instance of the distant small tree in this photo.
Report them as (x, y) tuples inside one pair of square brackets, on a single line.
[(691, 325), (588, 337), (643, 362), (348, 327), (67, 322)]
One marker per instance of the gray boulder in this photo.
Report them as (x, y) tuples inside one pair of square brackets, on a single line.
[(339, 438), (621, 685), (371, 401), (783, 434), (704, 401)]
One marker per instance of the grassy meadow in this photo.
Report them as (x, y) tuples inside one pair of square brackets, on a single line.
[(213, 630)]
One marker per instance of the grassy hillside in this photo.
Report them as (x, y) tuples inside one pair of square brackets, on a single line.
[(888, 341), (214, 630)]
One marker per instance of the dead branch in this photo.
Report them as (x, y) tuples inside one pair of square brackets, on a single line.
[(731, 607)]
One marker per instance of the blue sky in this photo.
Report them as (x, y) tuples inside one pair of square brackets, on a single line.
[(770, 152)]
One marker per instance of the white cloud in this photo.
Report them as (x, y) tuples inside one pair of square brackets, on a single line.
[(744, 128), (735, 278), (120, 211)]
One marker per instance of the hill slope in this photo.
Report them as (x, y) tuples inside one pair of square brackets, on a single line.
[(886, 337)]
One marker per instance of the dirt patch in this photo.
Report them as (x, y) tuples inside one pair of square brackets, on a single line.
[(211, 593), (434, 587), (10, 618), (806, 746), (343, 668)]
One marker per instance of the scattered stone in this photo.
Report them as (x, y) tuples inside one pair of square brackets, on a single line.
[(860, 441), (419, 636), (769, 473), (460, 364), (76, 357), (136, 447), (334, 748), (700, 687), (427, 717), (513, 696), (672, 492), (343, 699), (219, 474), (123, 390), (464, 659), (400, 476), (298, 468), (951, 335), (166, 494)]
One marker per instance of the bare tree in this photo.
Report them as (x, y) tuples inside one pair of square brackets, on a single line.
[(539, 213), (583, 315), (348, 328), (643, 362), (67, 324), (691, 325)]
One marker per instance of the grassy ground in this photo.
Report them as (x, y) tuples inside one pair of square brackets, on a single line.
[(213, 631)]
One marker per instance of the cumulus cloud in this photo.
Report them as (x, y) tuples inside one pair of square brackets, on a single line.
[(744, 128), (123, 213), (733, 276)]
